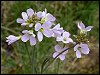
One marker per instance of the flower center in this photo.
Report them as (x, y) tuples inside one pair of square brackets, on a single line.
[(79, 48), (43, 20), (41, 30), (64, 39)]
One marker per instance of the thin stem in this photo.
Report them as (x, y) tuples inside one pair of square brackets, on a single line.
[(57, 56), (33, 61), (58, 65)]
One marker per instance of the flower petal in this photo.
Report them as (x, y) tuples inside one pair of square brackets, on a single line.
[(48, 33), (69, 40), (11, 39), (57, 33), (81, 26), (78, 54), (47, 25), (37, 26), (31, 25), (39, 14), (84, 49), (24, 15), (32, 40), (30, 12), (58, 48), (24, 24), (25, 37), (66, 34), (62, 57), (40, 36), (89, 28), (57, 26), (59, 39), (19, 20), (51, 17), (76, 47), (25, 31), (55, 54), (44, 13)]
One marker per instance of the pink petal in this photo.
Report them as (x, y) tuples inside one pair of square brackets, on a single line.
[(69, 40), (31, 25), (40, 36), (78, 54), (32, 40), (30, 12), (25, 31), (46, 25), (84, 49), (47, 33), (37, 26), (39, 14), (51, 17), (55, 54), (24, 15), (62, 57), (19, 20), (24, 24), (25, 37), (89, 28), (81, 26), (58, 48), (57, 26), (57, 33), (44, 13), (66, 34), (76, 47)]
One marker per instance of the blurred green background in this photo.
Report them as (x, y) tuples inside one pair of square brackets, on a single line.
[(66, 13)]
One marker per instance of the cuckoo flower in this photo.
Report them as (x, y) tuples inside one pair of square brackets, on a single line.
[(28, 35), (27, 18), (43, 29), (81, 48), (11, 39), (81, 26), (64, 38), (58, 50), (45, 16), (57, 31)]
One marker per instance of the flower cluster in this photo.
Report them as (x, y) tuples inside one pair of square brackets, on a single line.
[(81, 39), (42, 24)]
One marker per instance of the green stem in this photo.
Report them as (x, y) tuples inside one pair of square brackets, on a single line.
[(57, 56), (33, 60), (58, 65)]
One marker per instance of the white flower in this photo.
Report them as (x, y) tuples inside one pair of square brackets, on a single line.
[(64, 38), (11, 39), (45, 16), (81, 26), (44, 28), (57, 31), (28, 35), (26, 18), (81, 48), (58, 50)]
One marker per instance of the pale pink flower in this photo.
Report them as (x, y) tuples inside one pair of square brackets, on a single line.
[(81, 48), (58, 50)]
